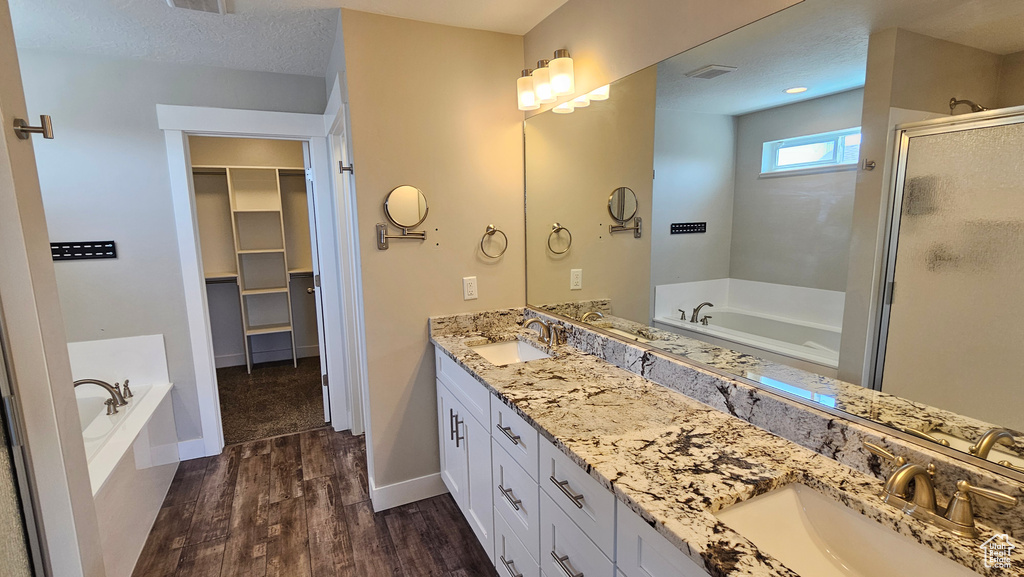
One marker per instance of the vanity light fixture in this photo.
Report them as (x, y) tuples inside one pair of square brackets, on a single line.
[(563, 81), (526, 92), (542, 83), (564, 108), (796, 90), (580, 101), (601, 93)]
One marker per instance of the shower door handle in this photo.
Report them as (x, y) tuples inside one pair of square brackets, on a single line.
[(24, 131)]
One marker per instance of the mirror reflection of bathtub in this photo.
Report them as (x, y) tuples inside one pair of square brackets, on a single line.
[(795, 326), (132, 455)]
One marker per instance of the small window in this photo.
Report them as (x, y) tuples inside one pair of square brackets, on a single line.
[(813, 153)]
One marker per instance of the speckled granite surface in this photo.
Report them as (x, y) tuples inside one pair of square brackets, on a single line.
[(674, 460), (854, 399)]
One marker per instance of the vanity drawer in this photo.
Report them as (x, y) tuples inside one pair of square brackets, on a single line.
[(643, 552), (515, 435), (511, 557), (473, 395), (516, 498), (579, 495), (563, 544)]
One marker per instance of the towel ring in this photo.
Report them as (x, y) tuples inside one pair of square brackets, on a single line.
[(490, 232), (555, 229)]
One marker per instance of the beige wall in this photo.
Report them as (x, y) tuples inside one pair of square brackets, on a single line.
[(928, 71), (573, 163), (694, 172), (435, 107), (217, 151), (793, 230), (609, 39), (1011, 81)]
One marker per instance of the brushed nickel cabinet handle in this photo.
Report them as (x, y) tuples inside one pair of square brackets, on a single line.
[(510, 566), (451, 424), (563, 486), (508, 495), (508, 433), (563, 566), (458, 437)]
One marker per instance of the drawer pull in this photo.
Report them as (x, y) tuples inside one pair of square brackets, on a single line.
[(508, 495), (562, 564), (564, 487), (451, 423), (458, 437), (510, 566), (508, 433)]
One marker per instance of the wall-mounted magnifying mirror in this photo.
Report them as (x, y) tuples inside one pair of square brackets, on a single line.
[(622, 206), (406, 208)]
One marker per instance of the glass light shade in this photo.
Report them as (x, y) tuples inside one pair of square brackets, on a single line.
[(581, 101), (527, 96), (564, 108), (601, 93), (542, 86), (562, 80)]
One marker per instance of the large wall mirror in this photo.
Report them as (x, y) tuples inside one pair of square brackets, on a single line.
[(837, 188)]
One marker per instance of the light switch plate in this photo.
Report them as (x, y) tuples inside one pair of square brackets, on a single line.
[(576, 279), (469, 289)]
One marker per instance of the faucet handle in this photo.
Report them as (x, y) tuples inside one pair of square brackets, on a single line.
[(997, 496), (682, 314), (884, 454), (960, 510), (126, 392)]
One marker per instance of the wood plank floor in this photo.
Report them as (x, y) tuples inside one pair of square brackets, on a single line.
[(298, 506)]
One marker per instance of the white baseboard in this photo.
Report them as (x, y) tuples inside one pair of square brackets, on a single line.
[(238, 359), (405, 492), (191, 449)]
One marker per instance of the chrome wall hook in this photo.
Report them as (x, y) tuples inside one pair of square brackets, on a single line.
[(24, 131)]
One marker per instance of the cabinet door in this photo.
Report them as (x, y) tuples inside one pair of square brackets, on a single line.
[(643, 552), (454, 463), (565, 549), (478, 506)]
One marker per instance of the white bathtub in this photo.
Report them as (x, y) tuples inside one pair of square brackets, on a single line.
[(760, 334), (133, 454)]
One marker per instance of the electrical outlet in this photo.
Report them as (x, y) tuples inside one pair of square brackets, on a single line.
[(576, 279), (469, 290)]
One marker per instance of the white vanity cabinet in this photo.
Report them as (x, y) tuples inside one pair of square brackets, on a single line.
[(465, 451), (535, 511), (643, 552)]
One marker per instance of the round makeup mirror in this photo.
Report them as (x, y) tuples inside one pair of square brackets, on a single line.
[(406, 207), (622, 204)]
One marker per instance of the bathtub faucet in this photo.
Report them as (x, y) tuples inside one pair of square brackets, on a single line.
[(696, 311), (116, 399)]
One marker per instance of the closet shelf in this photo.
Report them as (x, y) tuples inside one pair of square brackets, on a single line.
[(238, 210), (261, 251), (267, 329), (266, 291), (221, 276)]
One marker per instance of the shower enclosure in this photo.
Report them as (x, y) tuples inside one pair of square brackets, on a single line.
[(952, 325)]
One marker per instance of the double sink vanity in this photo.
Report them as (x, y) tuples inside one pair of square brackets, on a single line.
[(574, 454)]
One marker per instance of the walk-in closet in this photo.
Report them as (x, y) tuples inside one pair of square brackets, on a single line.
[(253, 211)]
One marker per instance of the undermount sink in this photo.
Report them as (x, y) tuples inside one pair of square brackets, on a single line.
[(997, 453), (819, 537), (508, 352)]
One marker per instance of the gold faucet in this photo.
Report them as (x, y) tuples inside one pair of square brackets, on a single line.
[(988, 440), (958, 515), (545, 329)]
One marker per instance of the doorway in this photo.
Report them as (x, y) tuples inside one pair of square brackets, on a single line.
[(257, 233)]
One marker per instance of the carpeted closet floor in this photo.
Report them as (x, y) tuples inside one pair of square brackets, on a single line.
[(276, 399)]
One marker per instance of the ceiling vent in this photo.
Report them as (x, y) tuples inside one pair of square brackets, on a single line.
[(212, 6), (709, 72)]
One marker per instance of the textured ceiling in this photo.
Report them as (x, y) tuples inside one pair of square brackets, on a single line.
[(822, 44), (289, 36)]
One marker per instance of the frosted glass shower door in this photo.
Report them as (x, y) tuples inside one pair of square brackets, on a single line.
[(955, 335)]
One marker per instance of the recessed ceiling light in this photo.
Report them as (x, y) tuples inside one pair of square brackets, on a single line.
[(796, 90)]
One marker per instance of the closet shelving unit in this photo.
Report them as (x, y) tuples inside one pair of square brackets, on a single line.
[(261, 257)]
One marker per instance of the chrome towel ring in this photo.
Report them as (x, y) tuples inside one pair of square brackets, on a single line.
[(555, 229), (491, 230)]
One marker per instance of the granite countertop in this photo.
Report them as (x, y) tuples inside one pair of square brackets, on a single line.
[(676, 461)]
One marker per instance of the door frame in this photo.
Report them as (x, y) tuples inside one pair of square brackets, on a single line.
[(904, 132), (178, 123)]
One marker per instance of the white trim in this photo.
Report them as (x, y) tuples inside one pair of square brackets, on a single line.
[(404, 492), (178, 122), (191, 449)]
